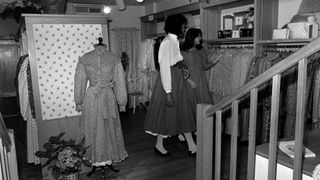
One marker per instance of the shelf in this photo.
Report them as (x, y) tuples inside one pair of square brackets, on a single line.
[(155, 35), (243, 40), (193, 8), (311, 140), (286, 41), (6, 116), (226, 4), (8, 94)]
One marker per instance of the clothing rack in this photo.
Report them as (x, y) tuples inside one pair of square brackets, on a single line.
[(230, 45), (282, 47), (157, 35), (125, 29)]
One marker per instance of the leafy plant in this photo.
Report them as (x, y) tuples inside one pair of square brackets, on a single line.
[(16, 8), (64, 157)]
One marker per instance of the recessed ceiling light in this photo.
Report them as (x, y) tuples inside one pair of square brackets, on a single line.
[(140, 1)]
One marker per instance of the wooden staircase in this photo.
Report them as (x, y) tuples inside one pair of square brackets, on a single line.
[(8, 157), (207, 115)]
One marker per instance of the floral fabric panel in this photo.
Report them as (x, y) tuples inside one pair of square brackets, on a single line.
[(58, 48)]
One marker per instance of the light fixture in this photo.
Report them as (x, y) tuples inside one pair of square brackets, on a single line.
[(106, 9), (139, 1)]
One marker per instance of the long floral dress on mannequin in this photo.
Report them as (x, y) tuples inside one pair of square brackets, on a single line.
[(98, 103)]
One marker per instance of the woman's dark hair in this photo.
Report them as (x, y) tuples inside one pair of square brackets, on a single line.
[(174, 23), (191, 35)]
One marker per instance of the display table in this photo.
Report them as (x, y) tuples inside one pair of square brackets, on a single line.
[(285, 163)]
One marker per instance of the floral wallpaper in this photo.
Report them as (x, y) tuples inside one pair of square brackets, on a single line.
[(58, 48)]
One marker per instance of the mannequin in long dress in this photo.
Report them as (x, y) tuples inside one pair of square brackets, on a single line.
[(100, 120)]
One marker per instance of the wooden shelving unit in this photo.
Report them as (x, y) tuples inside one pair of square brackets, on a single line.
[(286, 41), (211, 15), (229, 40), (150, 21), (8, 94), (265, 20)]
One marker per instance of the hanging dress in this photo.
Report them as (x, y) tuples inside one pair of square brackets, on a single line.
[(99, 103), (26, 106)]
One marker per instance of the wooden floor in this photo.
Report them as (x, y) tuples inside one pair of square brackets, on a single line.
[(142, 163)]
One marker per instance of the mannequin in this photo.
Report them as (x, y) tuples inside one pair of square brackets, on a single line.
[(100, 120)]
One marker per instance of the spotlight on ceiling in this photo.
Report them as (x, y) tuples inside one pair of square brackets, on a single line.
[(139, 1), (107, 9)]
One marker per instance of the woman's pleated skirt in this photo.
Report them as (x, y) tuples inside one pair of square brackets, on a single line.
[(179, 118)]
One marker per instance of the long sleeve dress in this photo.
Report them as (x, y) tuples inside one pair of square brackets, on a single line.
[(100, 118), (194, 59)]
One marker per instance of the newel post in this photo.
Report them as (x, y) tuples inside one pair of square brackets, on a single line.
[(204, 143)]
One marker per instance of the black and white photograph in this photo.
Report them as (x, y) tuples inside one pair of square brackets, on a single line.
[(159, 90)]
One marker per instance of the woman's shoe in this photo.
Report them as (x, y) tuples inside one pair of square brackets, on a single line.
[(192, 154), (168, 154), (113, 168), (181, 138)]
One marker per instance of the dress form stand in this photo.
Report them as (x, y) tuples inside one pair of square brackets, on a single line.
[(101, 47), (100, 42), (102, 170)]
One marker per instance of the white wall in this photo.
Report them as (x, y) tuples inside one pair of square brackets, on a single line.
[(283, 172), (287, 9), (129, 18)]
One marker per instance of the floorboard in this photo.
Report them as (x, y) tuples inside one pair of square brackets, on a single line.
[(142, 163)]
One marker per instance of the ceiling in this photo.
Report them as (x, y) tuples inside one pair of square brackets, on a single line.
[(113, 2)]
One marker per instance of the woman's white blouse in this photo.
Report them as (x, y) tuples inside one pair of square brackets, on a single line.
[(169, 55)]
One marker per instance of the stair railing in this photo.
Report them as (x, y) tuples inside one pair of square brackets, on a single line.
[(209, 114), (8, 157)]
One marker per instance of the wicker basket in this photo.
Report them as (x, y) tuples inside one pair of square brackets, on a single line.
[(74, 176)]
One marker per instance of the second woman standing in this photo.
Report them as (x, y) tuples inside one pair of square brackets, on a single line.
[(195, 57)]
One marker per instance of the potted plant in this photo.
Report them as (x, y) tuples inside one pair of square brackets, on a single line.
[(14, 9), (64, 157)]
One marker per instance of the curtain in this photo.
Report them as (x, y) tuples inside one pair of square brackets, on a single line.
[(127, 40)]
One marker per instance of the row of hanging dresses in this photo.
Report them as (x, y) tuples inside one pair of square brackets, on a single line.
[(25, 97), (258, 65), (313, 91), (23, 84), (148, 66), (232, 66), (288, 93)]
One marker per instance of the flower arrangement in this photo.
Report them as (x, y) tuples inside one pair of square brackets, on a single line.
[(16, 8), (64, 157)]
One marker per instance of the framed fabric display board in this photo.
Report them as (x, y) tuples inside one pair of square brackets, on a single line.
[(55, 44)]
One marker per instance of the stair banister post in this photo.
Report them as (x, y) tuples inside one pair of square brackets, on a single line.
[(204, 143), (300, 116)]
